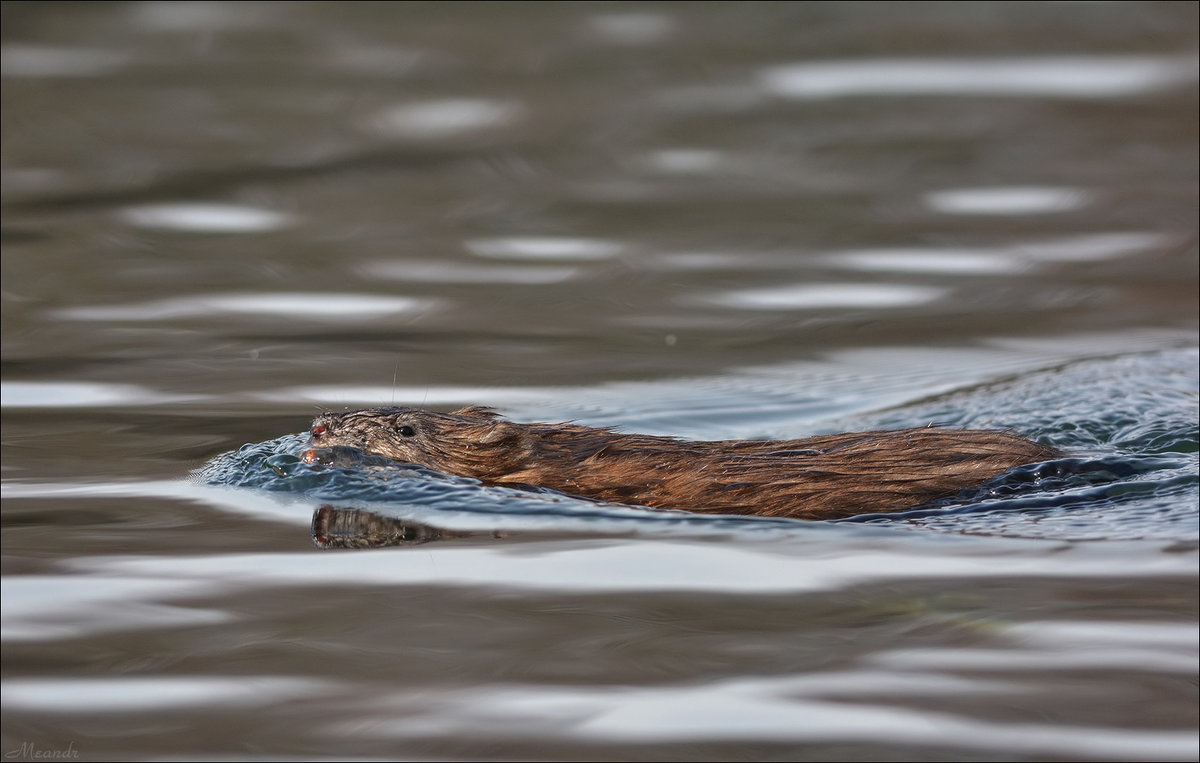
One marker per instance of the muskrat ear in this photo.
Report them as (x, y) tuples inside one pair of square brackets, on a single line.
[(476, 412), (512, 439), (490, 449), (498, 431)]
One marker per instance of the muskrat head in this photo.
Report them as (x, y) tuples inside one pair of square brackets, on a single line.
[(469, 442)]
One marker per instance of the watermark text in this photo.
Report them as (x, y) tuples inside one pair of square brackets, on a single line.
[(31, 751)]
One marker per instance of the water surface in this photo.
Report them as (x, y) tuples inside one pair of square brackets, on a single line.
[(702, 220)]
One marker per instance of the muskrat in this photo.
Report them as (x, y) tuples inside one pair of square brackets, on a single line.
[(823, 477)]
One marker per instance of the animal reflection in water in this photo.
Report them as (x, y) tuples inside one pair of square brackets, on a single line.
[(333, 527)]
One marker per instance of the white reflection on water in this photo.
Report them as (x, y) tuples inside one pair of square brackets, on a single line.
[(14, 394), (544, 248), (717, 405), (1012, 258), (439, 395), (205, 218), (428, 271), (1092, 658), (1184, 637), (828, 295), (102, 594), (26, 60), (1093, 247), (319, 306), (274, 507), (707, 261), (449, 117), (829, 561), (194, 17), (58, 607), (634, 28), (1061, 77), (779, 709), (957, 261), (1100, 645), (795, 708), (685, 161), (125, 694), (1013, 200)]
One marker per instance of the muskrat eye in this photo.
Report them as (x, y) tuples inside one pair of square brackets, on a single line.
[(405, 430)]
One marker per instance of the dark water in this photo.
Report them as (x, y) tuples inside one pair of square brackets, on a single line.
[(711, 221)]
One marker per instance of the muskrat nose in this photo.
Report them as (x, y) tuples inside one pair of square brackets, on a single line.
[(316, 432)]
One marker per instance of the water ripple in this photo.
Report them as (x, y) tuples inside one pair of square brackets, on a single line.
[(827, 295), (1015, 200), (314, 306), (205, 218), (1057, 77)]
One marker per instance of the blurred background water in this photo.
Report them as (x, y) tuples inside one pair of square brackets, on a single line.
[(710, 220)]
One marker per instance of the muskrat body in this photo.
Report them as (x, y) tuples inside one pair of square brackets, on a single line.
[(823, 477)]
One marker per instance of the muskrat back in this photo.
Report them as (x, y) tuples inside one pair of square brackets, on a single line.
[(821, 477)]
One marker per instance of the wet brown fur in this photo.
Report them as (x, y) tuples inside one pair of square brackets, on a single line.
[(822, 477)]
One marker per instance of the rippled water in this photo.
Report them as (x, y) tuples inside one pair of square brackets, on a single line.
[(1127, 426), (709, 221)]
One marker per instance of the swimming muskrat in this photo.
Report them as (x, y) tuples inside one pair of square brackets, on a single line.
[(822, 477)]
